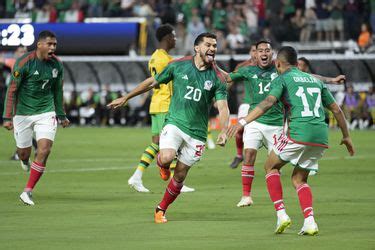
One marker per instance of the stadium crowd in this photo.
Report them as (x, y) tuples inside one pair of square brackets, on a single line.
[(236, 22)]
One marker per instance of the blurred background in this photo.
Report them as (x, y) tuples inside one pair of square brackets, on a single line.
[(105, 46)]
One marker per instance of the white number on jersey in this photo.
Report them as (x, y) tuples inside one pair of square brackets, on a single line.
[(265, 89), (193, 94), (45, 83), (307, 111)]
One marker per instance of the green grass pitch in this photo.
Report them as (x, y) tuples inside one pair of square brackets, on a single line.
[(83, 200)]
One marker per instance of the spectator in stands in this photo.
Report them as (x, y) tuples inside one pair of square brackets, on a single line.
[(337, 19), (370, 106), (94, 8), (47, 14), (352, 19), (323, 22), (234, 38), (194, 28), (299, 24), (365, 37), (143, 9), (219, 16), (73, 15), (113, 8), (222, 44), (288, 9), (250, 12), (127, 8)]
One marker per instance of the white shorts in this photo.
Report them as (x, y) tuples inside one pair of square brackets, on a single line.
[(257, 134), (243, 110), (189, 150), (44, 125), (303, 156)]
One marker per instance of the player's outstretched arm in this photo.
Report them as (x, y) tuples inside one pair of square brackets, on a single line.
[(222, 106), (341, 121), (143, 87), (257, 112), (340, 79)]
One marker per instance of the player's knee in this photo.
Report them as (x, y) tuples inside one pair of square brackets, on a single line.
[(23, 154), (44, 151), (166, 157), (296, 181)]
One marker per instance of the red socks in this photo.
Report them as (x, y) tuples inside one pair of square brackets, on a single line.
[(247, 174), (171, 193), (239, 143), (305, 199), (275, 190), (36, 172)]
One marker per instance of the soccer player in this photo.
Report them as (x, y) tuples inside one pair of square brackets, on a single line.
[(33, 100), (159, 106), (196, 82), (243, 109), (304, 98), (268, 128)]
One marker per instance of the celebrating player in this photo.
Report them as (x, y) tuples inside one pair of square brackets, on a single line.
[(36, 96), (243, 109), (196, 81), (159, 106), (304, 98)]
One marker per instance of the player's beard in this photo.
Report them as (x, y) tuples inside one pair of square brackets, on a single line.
[(208, 59)]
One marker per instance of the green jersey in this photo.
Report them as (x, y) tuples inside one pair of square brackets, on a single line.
[(36, 87), (304, 99), (193, 93), (257, 86)]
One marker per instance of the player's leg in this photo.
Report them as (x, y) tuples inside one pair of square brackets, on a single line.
[(307, 161), (135, 181), (190, 152), (242, 112), (45, 130), (23, 134), (172, 191), (252, 142), (272, 166)]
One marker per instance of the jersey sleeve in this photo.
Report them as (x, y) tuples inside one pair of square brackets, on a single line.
[(18, 73), (239, 74), (277, 86), (327, 98), (166, 75), (58, 95), (221, 91)]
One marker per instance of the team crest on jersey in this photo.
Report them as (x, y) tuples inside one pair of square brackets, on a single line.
[(16, 74), (273, 76), (55, 73), (208, 85)]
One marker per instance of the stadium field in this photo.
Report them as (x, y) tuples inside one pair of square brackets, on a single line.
[(83, 200)]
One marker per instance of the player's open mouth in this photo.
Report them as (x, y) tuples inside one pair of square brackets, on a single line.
[(210, 56), (264, 59), (50, 54)]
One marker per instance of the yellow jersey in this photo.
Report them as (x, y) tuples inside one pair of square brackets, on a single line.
[(162, 94)]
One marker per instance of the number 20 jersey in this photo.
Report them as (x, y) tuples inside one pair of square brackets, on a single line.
[(193, 93), (304, 99)]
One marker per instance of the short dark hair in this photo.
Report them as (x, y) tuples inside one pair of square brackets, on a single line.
[(263, 41), (163, 31), (306, 61), (200, 37), (289, 54), (44, 34)]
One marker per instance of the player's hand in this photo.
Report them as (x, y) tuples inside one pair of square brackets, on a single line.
[(233, 129), (8, 125), (65, 123), (222, 139), (340, 79), (347, 141), (119, 102)]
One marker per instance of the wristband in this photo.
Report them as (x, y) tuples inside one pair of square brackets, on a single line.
[(242, 122)]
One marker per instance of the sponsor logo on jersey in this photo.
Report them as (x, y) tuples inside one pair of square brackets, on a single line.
[(255, 77), (208, 85), (16, 74), (273, 76), (36, 72), (55, 72), (185, 77)]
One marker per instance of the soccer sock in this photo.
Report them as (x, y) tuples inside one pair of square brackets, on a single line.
[(36, 172), (147, 156), (171, 193), (275, 190), (247, 174), (239, 143), (305, 199)]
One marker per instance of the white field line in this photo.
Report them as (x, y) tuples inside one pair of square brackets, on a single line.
[(114, 168)]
